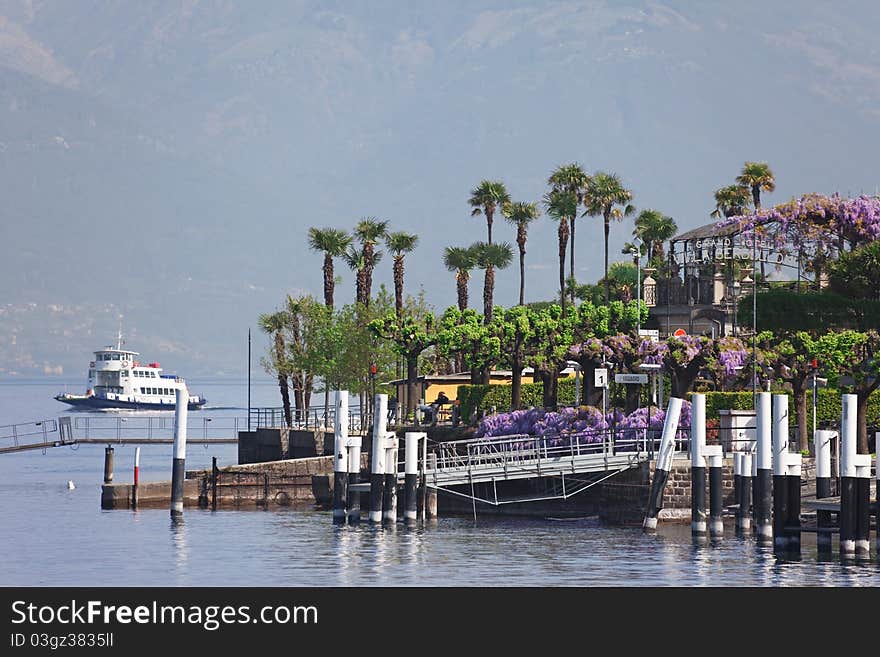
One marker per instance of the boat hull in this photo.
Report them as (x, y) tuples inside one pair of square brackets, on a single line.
[(96, 402)]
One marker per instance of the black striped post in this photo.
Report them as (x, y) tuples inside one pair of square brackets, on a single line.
[(744, 512), (763, 468), (780, 472), (855, 484), (354, 478), (715, 460), (340, 458), (377, 471), (822, 442), (663, 464), (793, 502), (737, 483), (178, 466), (108, 464), (698, 466), (411, 476), (389, 497)]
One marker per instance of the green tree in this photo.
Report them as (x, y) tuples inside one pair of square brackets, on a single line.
[(368, 232), (573, 179), (485, 198), (683, 360), (606, 197), (302, 315), (550, 336), (521, 215), (856, 274), (333, 243), (274, 324), (622, 280), (513, 330), (654, 228), (356, 261), (465, 335), (730, 201), (400, 243), (756, 177), (460, 260), (863, 365), (561, 206), (490, 257)]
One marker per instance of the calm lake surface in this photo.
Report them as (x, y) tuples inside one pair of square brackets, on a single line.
[(52, 536)]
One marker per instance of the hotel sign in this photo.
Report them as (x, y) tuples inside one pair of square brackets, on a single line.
[(720, 249)]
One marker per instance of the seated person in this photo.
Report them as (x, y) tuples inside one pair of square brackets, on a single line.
[(435, 406)]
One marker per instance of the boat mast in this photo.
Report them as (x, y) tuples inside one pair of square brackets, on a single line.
[(119, 335)]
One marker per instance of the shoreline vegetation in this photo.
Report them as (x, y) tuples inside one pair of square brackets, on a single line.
[(823, 325)]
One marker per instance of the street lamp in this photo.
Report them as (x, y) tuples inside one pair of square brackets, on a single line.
[(577, 382), (637, 252)]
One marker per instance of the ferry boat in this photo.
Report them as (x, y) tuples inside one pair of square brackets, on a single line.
[(118, 380)]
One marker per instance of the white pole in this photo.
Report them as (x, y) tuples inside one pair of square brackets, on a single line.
[(663, 463), (411, 475), (377, 471), (763, 467), (178, 467), (340, 461), (698, 465), (779, 439)]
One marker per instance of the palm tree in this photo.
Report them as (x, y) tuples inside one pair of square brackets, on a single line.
[(570, 178), (369, 231), (460, 260), (354, 258), (757, 176), (604, 193), (400, 244), (333, 242), (731, 201), (521, 215), (485, 198), (623, 279), (489, 257), (653, 228), (274, 324), (561, 205)]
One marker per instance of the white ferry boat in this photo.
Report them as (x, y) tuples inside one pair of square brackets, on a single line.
[(118, 380)]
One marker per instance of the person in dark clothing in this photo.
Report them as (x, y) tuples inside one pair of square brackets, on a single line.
[(392, 409)]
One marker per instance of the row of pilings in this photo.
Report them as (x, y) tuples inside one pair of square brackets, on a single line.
[(768, 481)]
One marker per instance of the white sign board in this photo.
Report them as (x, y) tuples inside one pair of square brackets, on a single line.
[(600, 379), (650, 333), (630, 378)]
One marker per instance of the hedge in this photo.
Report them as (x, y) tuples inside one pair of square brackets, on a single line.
[(483, 397)]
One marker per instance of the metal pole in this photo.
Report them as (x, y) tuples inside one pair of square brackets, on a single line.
[(411, 476), (215, 475), (249, 379), (698, 465), (755, 309), (340, 460), (424, 468), (848, 446), (763, 467), (377, 471), (745, 493), (137, 468), (178, 471), (663, 463)]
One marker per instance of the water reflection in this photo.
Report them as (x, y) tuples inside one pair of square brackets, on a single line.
[(179, 545)]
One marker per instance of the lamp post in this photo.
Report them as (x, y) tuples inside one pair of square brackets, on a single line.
[(637, 254)]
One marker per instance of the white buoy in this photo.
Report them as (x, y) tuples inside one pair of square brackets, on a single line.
[(70, 484)]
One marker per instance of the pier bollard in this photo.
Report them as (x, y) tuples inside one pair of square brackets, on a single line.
[(137, 471), (108, 464), (663, 464), (178, 464), (354, 477), (698, 465), (763, 468), (877, 486), (822, 442), (715, 460), (848, 475), (340, 459), (430, 494), (389, 495), (377, 470), (744, 513), (411, 475), (793, 502), (780, 471), (737, 482)]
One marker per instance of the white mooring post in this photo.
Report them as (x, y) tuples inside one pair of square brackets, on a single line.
[(411, 475), (178, 466), (822, 441), (855, 470), (377, 470), (698, 465), (663, 463), (353, 444), (340, 458), (743, 516), (137, 476), (780, 471), (737, 481), (763, 468), (715, 461), (389, 495)]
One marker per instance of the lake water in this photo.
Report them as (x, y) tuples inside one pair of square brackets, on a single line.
[(52, 536)]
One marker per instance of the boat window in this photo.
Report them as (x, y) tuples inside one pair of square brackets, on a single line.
[(115, 356), (125, 373)]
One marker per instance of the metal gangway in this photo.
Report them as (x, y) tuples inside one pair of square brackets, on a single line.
[(576, 461), (116, 430)]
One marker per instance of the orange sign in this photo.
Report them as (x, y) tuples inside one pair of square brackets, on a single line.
[(680, 333)]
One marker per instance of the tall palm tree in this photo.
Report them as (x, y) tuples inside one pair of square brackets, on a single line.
[(333, 242), (486, 198), (654, 228), (400, 244), (570, 178), (356, 261), (521, 215), (273, 324), (460, 260), (490, 257), (561, 205), (757, 177), (604, 193), (730, 201), (369, 231)]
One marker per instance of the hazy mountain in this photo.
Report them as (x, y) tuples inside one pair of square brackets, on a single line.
[(165, 159)]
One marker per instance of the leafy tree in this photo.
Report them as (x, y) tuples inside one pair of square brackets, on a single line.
[(622, 279), (303, 316), (273, 324), (787, 310), (863, 365), (683, 360), (550, 337), (485, 198), (513, 329), (460, 260), (856, 274), (604, 194), (333, 243), (521, 215), (488, 257), (573, 179), (465, 334)]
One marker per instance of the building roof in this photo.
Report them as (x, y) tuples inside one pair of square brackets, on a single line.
[(709, 230)]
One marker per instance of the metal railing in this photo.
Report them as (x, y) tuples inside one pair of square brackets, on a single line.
[(272, 417), (155, 427), (39, 432)]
